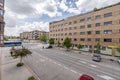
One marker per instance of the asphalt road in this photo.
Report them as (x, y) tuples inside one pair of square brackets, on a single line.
[(58, 64)]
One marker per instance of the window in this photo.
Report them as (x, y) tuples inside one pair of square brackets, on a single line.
[(65, 28), (98, 17), (82, 33), (75, 33), (97, 32), (82, 20), (107, 31), (70, 33), (108, 23), (65, 33), (107, 40), (1, 27), (89, 19), (61, 29), (70, 23), (75, 27), (70, 28), (97, 24), (81, 27), (89, 32), (75, 22), (61, 39), (75, 39), (82, 39), (97, 39), (1, 12), (89, 26), (62, 34), (89, 39), (108, 14)]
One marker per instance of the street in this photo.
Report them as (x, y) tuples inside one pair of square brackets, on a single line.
[(58, 64)]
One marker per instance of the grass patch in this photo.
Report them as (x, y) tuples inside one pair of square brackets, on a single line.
[(20, 64), (31, 78)]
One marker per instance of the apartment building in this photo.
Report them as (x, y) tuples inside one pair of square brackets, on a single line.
[(98, 26), (2, 23), (33, 35)]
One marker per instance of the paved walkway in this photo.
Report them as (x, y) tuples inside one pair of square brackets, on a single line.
[(9, 71)]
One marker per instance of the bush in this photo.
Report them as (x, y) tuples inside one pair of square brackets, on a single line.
[(31, 78), (19, 64)]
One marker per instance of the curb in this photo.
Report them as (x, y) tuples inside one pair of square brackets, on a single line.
[(31, 71)]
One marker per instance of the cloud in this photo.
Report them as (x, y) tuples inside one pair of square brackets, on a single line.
[(27, 27), (27, 15)]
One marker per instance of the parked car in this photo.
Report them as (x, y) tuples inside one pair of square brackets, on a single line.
[(86, 77), (118, 60), (96, 57), (49, 47)]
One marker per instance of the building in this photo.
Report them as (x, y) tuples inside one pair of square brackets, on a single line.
[(98, 26), (2, 23), (33, 35)]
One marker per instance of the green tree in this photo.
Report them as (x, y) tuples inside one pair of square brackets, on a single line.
[(118, 49), (80, 46), (67, 43), (58, 43), (43, 38), (95, 9), (98, 47), (23, 52), (51, 41), (5, 38)]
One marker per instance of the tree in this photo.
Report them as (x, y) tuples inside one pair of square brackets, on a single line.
[(58, 43), (80, 46), (118, 49), (43, 38), (23, 52), (51, 41), (95, 9), (98, 47), (5, 38), (67, 43)]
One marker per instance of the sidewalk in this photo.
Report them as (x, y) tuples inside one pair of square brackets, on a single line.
[(9, 71)]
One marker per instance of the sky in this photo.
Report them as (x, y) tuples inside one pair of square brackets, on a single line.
[(29, 15)]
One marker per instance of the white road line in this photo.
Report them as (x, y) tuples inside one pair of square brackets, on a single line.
[(59, 64), (106, 77), (73, 71), (83, 62), (93, 65), (66, 67)]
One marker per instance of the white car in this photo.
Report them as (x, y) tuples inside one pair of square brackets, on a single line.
[(118, 60)]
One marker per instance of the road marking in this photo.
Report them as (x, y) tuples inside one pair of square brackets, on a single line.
[(59, 64), (106, 77), (66, 67), (93, 65), (83, 62), (73, 71)]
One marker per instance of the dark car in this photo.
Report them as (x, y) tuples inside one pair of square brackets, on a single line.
[(86, 77), (49, 47), (96, 57), (118, 60)]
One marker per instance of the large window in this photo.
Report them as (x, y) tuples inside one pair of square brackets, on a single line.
[(81, 27), (1, 2), (89, 39), (108, 23), (89, 32), (108, 14), (82, 33), (89, 19), (1, 27), (89, 26), (97, 39), (97, 24), (107, 31), (98, 17), (2, 12), (97, 32), (107, 40), (82, 39), (82, 20)]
